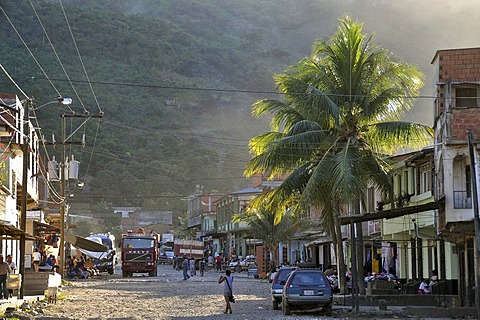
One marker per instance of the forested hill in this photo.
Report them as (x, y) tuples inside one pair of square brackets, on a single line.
[(176, 78)]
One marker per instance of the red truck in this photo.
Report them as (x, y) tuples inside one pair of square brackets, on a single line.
[(139, 252), (190, 248)]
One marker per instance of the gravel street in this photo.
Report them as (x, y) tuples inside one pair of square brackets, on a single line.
[(167, 296)]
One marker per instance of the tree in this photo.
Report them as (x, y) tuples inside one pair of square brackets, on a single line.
[(341, 114), (272, 228)]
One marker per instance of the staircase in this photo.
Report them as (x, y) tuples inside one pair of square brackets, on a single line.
[(35, 283)]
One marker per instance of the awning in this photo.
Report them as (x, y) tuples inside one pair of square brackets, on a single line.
[(9, 232), (319, 241), (389, 214), (40, 227), (83, 243)]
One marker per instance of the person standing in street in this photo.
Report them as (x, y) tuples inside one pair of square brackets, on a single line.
[(4, 271), (37, 258), (12, 264), (227, 289), (179, 262), (218, 260), (13, 268), (185, 268), (202, 267), (192, 267)]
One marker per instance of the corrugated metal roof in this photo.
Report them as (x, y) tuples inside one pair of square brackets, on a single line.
[(248, 191)]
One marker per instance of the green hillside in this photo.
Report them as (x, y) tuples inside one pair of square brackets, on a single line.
[(176, 78)]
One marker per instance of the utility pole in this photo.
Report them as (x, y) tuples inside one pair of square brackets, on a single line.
[(63, 165), (63, 177), (476, 218), (23, 212)]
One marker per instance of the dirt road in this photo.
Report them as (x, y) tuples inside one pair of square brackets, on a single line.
[(168, 296)]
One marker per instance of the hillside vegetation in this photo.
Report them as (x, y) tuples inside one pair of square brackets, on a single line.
[(176, 79)]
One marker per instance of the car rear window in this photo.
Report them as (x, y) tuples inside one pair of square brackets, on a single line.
[(311, 278), (283, 274)]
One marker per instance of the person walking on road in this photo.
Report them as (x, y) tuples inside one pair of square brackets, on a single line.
[(218, 260), (227, 289), (4, 271), (179, 262), (192, 267), (185, 268), (202, 267)]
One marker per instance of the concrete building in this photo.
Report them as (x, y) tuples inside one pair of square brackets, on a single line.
[(12, 139), (457, 109)]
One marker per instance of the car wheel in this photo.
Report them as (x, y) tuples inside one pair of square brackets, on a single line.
[(275, 304), (124, 274), (111, 271), (328, 310), (286, 308)]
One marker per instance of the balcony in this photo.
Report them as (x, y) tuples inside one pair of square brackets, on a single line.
[(462, 200)]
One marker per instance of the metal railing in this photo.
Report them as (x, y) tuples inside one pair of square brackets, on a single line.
[(462, 200)]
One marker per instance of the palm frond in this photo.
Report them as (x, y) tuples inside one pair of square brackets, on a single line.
[(391, 136), (283, 113)]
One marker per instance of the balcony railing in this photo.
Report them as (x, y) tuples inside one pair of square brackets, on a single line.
[(462, 200)]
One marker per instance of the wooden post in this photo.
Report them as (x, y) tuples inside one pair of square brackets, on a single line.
[(476, 219)]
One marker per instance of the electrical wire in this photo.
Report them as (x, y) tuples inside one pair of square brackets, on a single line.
[(156, 86), (80, 58), (31, 53), (93, 148), (56, 55), (13, 81)]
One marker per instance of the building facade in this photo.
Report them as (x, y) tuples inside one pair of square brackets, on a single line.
[(457, 110)]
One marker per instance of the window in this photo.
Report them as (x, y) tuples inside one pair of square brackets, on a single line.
[(467, 98), (425, 178), (468, 183)]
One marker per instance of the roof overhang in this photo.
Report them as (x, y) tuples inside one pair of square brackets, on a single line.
[(84, 243), (9, 232), (40, 227), (389, 214)]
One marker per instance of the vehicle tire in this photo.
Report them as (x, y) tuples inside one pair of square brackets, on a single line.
[(111, 271), (124, 274), (328, 310), (275, 304), (286, 308), (239, 268)]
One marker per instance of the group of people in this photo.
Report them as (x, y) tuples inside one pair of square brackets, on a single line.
[(6, 267), (41, 261), (190, 265), (426, 286), (81, 267)]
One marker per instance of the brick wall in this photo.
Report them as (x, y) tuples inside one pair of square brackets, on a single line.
[(462, 120), (459, 64)]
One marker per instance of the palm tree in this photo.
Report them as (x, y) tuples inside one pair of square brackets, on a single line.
[(272, 228), (340, 116)]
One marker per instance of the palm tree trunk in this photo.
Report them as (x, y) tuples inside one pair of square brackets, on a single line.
[(360, 259), (338, 242)]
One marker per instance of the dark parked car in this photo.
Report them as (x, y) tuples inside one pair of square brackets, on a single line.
[(166, 258), (307, 289), (277, 285)]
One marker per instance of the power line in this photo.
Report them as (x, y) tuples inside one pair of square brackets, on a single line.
[(80, 58), (30, 51), (56, 55), (156, 86)]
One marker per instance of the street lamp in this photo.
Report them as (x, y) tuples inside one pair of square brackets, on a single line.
[(23, 213)]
